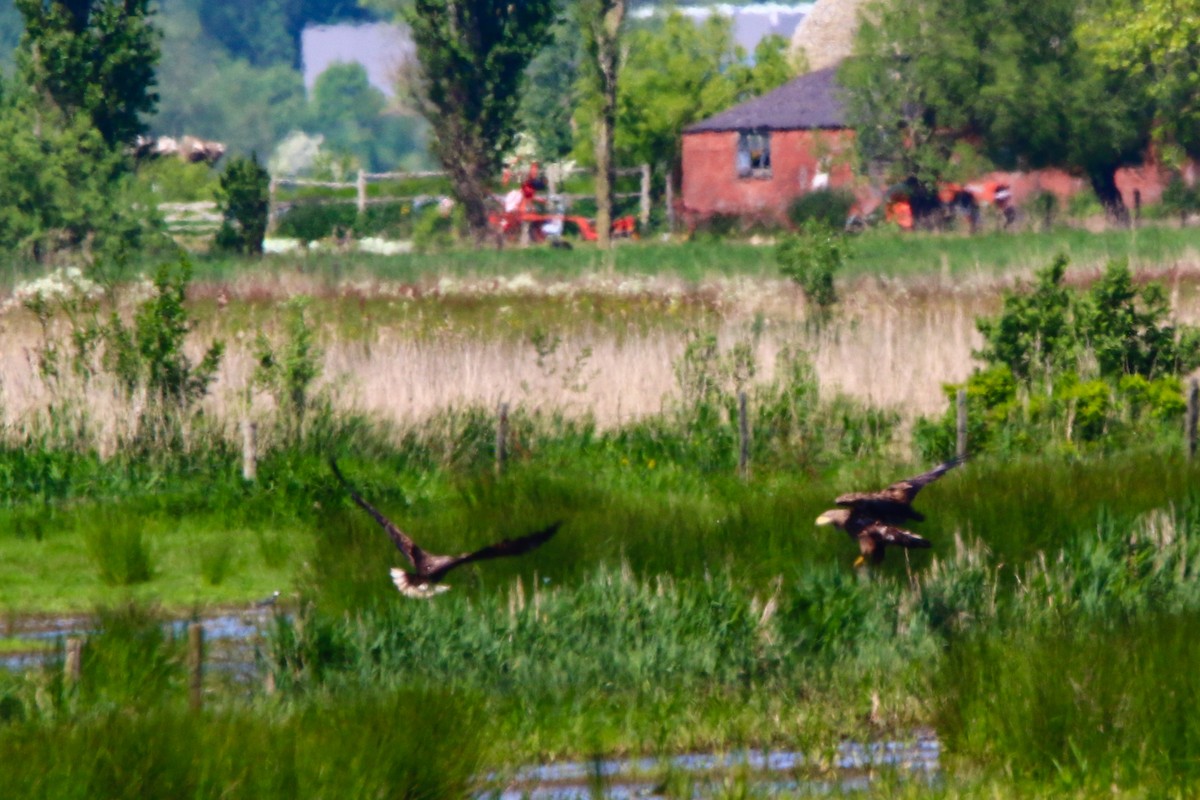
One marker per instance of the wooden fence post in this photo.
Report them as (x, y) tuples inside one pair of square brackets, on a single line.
[(249, 449), (670, 199), (272, 206), (195, 658), (644, 207), (961, 448), (743, 437), (502, 438), (361, 186), (1193, 410), (73, 665)]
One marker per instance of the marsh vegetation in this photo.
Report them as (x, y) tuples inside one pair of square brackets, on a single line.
[(681, 608)]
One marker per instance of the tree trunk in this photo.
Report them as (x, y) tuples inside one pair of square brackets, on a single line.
[(1104, 184), (605, 32), (468, 175)]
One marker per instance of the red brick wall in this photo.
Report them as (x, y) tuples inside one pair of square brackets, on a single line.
[(711, 184)]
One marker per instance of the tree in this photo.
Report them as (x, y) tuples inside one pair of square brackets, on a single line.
[(11, 28), (95, 57), (214, 97), (244, 200), (600, 21), (353, 117), (1160, 41), (550, 94), (63, 186), (471, 57), (676, 72), (1011, 74)]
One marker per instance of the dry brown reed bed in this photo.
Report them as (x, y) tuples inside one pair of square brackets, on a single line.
[(895, 342)]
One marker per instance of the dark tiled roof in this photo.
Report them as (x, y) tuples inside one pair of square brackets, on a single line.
[(810, 101)]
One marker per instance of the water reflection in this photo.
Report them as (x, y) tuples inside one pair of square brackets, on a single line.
[(757, 773)]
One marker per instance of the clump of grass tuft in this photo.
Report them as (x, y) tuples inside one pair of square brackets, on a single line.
[(119, 549), (217, 561), (1054, 704), (407, 743)]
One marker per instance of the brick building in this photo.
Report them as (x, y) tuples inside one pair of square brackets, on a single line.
[(755, 158)]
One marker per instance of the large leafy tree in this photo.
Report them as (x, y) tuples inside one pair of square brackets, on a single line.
[(471, 58), (677, 72), (1010, 74), (601, 24), (550, 94), (62, 185), (207, 93), (354, 119), (95, 57), (1159, 40)]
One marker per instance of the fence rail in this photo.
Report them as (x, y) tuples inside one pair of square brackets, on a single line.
[(204, 218), (554, 179)]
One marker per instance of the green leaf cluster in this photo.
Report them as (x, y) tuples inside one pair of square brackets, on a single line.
[(150, 354), (97, 58), (472, 56), (675, 73), (1012, 76), (811, 257), (1121, 328), (64, 188), (244, 200), (288, 370), (1065, 368)]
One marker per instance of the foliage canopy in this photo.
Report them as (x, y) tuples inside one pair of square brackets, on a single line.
[(96, 57), (472, 58), (1013, 76)]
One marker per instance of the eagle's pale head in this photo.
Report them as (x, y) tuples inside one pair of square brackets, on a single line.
[(835, 516)]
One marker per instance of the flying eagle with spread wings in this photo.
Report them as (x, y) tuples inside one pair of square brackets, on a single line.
[(425, 578), (873, 519)]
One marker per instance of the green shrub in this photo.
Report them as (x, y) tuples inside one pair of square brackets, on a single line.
[(1043, 206), (811, 258), (717, 226), (244, 200), (119, 549), (1179, 198), (829, 207), (1099, 367)]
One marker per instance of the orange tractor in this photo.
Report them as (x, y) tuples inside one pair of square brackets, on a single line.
[(525, 212), (910, 205)]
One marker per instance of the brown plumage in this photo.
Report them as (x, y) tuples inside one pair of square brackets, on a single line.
[(872, 535), (893, 505), (873, 518), (424, 580)]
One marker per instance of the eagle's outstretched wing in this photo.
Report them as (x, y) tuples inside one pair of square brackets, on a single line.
[(894, 504), (402, 540), (510, 547), (908, 488)]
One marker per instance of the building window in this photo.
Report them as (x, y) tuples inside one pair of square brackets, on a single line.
[(754, 154)]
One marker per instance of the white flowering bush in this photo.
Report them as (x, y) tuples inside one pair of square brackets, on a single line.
[(84, 337), (66, 291)]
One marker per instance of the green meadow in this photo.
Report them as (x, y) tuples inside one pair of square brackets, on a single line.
[(682, 607)]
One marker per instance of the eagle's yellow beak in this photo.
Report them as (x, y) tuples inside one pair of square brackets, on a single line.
[(824, 520)]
